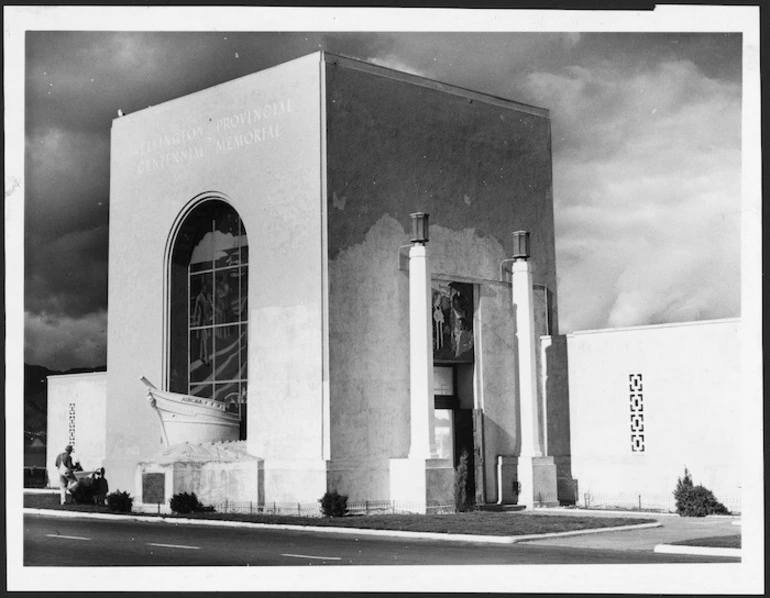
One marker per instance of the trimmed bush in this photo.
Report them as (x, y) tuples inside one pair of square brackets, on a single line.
[(465, 499), (334, 504), (184, 503), (119, 502), (696, 501)]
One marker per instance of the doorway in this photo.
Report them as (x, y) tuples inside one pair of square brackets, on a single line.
[(453, 385)]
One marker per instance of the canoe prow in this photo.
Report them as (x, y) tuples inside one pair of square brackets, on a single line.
[(187, 418)]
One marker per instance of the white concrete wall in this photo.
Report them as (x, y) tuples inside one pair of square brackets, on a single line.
[(275, 185), (84, 397), (691, 376)]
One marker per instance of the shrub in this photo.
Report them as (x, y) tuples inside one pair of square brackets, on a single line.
[(119, 502), (465, 499), (696, 501), (184, 503), (334, 504)]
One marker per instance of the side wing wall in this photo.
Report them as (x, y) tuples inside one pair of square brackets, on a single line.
[(646, 403)]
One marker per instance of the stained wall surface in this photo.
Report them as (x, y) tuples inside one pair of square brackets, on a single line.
[(76, 415), (481, 168), (686, 380), (256, 143)]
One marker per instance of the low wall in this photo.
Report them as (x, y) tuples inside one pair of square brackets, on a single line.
[(76, 416), (648, 402)]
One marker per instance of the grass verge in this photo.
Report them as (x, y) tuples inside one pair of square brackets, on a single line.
[(476, 522), (733, 541)]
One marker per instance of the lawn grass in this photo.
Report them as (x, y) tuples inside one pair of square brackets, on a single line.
[(733, 541), (476, 522)]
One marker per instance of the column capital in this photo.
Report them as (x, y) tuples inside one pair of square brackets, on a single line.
[(521, 265)]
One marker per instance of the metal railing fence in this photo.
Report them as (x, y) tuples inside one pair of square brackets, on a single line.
[(644, 502), (299, 509)]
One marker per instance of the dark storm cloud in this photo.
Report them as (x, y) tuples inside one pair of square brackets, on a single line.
[(67, 173), (75, 83), (716, 55), (67, 179), (67, 275), (65, 342)]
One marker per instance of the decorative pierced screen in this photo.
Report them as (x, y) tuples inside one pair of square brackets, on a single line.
[(71, 436), (636, 398)]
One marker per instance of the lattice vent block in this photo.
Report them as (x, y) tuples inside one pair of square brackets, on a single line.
[(636, 407), (71, 434)]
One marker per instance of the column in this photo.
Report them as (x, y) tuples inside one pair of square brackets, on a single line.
[(536, 473), (523, 305), (420, 479), (420, 355)]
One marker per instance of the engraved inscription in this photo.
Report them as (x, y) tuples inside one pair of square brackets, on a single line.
[(217, 136)]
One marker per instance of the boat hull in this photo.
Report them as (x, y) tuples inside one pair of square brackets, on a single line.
[(186, 418)]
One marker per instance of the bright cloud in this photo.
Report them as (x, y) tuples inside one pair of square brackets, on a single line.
[(647, 190), (393, 62)]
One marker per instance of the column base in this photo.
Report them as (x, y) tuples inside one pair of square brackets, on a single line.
[(422, 485), (537, 479)]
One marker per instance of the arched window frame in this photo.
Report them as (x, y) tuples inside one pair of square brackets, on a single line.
[(171, 321)]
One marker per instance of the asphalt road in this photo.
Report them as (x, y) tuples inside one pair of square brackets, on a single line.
[(51, 541)]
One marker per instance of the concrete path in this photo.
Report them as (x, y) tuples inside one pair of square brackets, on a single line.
[(673, 529)]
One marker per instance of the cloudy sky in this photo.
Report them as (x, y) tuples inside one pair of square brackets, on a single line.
[(646, 158)]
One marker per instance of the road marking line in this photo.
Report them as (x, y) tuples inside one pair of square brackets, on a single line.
[(309, 556), (174, 546), (67, 537)]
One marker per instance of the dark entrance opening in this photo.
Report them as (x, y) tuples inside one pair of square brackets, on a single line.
[(463, 443)]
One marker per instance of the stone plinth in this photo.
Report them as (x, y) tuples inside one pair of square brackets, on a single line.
[(216, 472), (507, 480), (537, 479), (420, 485), (526, 481)]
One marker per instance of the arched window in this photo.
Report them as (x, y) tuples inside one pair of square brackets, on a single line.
[(208, 307)]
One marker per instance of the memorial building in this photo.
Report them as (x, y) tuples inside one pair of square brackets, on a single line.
[(330, 275)]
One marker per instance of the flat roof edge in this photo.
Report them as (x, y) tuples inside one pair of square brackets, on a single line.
[(80, 375), (390, 73), (654, 326), (130, 116)]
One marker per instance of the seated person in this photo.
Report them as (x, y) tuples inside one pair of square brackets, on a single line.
[(101, 488), (89, 488), (82, 490)]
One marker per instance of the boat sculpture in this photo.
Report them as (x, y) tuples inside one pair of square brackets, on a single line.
[(186, 418)]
